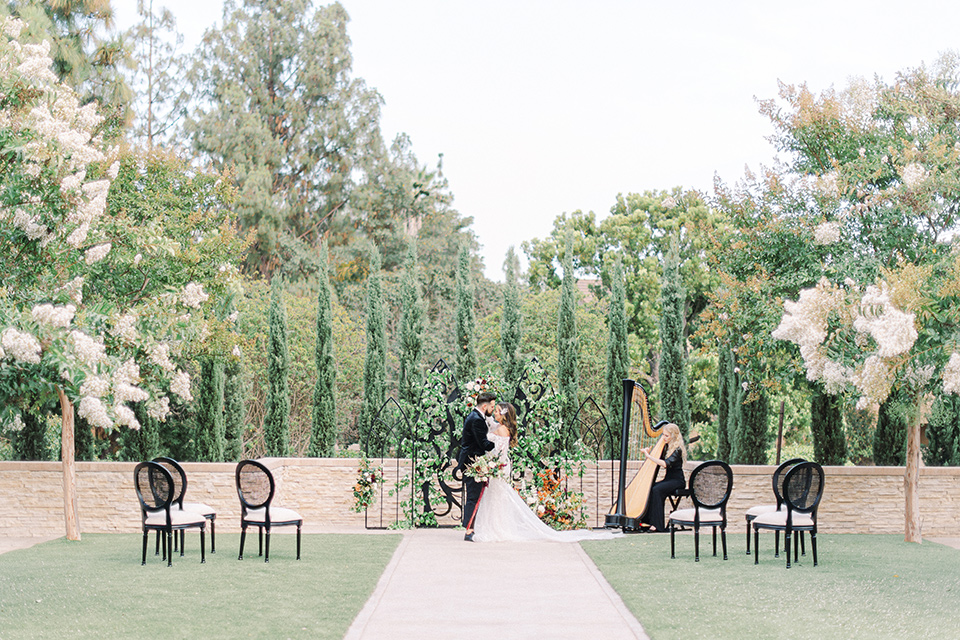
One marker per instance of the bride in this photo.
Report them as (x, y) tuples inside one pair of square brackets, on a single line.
[(502, 515)]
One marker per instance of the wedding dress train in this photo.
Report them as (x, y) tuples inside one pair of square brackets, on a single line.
[(503, 516)]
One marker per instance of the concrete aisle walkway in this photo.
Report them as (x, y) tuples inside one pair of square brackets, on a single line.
[(438, 586)]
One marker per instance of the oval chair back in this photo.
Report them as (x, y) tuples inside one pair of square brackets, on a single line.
[(803, 488), (154, 487), (255, 486), (710, 485), (779, 475), (178, 475)]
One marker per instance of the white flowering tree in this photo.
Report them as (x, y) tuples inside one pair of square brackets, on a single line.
[(887, 192), (99, 301)]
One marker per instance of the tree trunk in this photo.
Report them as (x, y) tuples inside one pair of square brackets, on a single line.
[(911, 478), (67, 452)]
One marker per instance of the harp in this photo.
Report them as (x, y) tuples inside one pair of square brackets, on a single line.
[(637, 432)]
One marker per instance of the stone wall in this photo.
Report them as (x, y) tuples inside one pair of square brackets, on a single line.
[(855, 500)]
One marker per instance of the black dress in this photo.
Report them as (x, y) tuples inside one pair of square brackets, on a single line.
[(672, 480)]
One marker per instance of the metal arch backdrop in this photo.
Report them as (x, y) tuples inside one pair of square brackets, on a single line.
[(443, 441), (597, 436), (383, 442)]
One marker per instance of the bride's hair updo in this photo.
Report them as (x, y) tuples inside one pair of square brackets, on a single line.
[(509, 420)]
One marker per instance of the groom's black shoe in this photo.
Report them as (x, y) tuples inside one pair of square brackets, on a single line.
[(468, 537)]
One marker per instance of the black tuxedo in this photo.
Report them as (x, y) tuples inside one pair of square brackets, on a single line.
[(473, 444)]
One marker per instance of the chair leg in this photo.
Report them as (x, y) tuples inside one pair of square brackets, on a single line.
[(243, 537), (260, 532), (696, 543), (776, 544), (714, 541), (756, 544), (183, 538), (796, 546), (144, 560), (159, 534), (169, 549), (723, 539), (673, 547), (203, 548), (786, 546), (266, 558), (803, 549), (298, 540), (813, 545), (213, 534), (748, 536)]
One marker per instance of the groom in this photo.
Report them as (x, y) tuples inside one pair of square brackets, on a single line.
[(474, 444)]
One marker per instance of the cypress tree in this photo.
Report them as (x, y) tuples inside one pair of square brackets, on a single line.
[(618, 353), (30, 442), (276, 423), (674, 398), (143, 443), (752, 435), (510, 322), (411, 330), (890, 437), (826, 425), (374, 367), (943, 432), (324, 433), (234, 410), (210, 429), (466, 366), (725, 386), (568, 346)]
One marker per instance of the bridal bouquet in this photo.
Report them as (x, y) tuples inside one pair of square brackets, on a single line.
[(364, 491), (484, 468)]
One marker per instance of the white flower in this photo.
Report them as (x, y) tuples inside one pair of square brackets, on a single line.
[(233, 317), (87, 350), (834, 377), (137, 258), (20, 345), (127, 373), (93, 411), (126, 328), (873, 380), (827, 184), (668, 203), (159, 409), (894, 330), (12, 27), (826, 233), (95, 387), (913, 175), (128, 393), (54, 316), (951, 374), (236, 351), (17, 423), (126, 416), (97, 253), (113, 170), (180, 385), (193, 295), (160, 356), (79, 235)]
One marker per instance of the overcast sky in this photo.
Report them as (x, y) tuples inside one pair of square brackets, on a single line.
[(541, 107)]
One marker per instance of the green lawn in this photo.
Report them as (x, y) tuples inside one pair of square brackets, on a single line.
[(96, 588), (872, 587)]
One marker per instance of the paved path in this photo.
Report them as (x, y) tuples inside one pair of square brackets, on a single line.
[(438, 586)]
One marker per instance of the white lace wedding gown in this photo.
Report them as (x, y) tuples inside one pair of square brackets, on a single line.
[(503, 516)]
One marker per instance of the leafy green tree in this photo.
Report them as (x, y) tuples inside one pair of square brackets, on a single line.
[(943, 432), (890, 437), (158, 75), (510, 323), (726, 391), (618, 353), (568, 369), (106, 282), (234, 409), (324, 434), (674, 401), (140, 444), (826, 424), (466, 363), (411, 330), (274, 99), (753, 432), (375, 363), (276, 424), (211, 437)]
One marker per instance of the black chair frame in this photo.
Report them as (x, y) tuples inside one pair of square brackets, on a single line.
[(170, 463), (798, 487), (160, 485), (249, 502), (778, 476), (698, 505)]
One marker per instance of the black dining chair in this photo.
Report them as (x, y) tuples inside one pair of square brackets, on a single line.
[(778, 476), (710, 485), (802, 491), (256, 488), (155, 491)]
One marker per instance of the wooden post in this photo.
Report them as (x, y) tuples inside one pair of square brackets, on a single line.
[(780, 432), (911, 478), (67, 450)]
